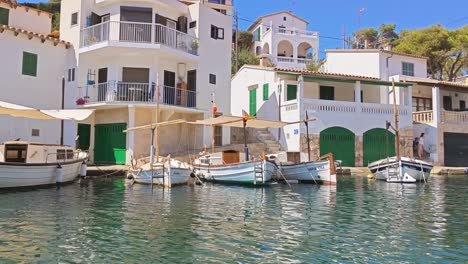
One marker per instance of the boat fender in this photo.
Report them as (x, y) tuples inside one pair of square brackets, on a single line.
[(129, 176), (192, 175), (59, 174), (83, 169)]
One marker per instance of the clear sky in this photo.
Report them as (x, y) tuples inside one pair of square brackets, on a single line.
[(329, 16)]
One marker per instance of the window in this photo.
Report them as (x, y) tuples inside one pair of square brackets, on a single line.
[(35, 132), (284, 18), (4, 16), (447, 103), (291, 92), (71, 75), (218, 135), (407, 69), (70, 154), (193, 24), (216, 32), (253, 102), (15, 153), (258, 34), (422, 104), (462, 105), (74, 18), (29, 64), (61, 154), (266, 93), (212, 78), (327, 93)]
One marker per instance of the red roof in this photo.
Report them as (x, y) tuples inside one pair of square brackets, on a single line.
[(327, 74)]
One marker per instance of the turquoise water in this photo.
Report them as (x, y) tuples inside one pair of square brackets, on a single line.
[(107, 221)]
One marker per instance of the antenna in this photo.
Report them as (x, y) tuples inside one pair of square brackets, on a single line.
[(293, 6)]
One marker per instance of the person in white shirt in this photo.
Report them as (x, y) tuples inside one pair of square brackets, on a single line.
[(421, 146)]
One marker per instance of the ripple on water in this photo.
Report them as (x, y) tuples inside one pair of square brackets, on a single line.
[(106, 221)]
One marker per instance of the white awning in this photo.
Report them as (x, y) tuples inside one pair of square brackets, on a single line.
[(236, 121), (27, 112), (156, 125)]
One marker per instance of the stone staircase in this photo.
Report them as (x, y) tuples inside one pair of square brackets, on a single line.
[(264, 136)]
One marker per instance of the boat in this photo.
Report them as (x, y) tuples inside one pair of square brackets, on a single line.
[(255, 172), (24, 164), (252, 172), (321, 171), (399, 169)]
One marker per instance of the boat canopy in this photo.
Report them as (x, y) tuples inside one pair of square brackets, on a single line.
[(237, 121), (27, 112), (156, 125)]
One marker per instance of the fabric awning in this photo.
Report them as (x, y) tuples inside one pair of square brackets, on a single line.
[(27, 112), (235, 121), (156, 125)]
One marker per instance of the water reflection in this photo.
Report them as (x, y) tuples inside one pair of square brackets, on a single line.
[(360, 220)]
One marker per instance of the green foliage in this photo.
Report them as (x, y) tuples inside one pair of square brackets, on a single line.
[(387, 34), (315, 65), (366, 38), (245, 40), (245, 57)]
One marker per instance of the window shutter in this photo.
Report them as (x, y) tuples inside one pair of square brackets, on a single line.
[(265, 92), (253, 102), (259, 33), (29, 64), (327, 93), (291, 92), (4, 16)]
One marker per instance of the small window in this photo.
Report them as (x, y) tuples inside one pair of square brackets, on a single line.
[(74, 19), (284, 18), (69, 75), (407, 69), (212, 78), (61, 154), (291, 92), (15, 153), (35, 132), (327, 93), (29, 64), (216, 32), (4, 16), (447, 103), (253, 102), (462, 105), (266, 93), (73, 74), (193, 24), (70, 154)]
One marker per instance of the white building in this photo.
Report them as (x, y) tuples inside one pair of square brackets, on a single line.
[(33, 68), (128, 50), (284, 38), (350, 115)]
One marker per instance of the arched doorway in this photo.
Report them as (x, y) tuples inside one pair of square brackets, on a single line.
[(285, 49), (340, 142), (374, 145), (266, 48), (304, 50), (258, 50)]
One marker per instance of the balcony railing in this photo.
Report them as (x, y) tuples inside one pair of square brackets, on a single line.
[(452, 117), (367, 109), (423, 117), (283, 59), (296, 32), (132, 32), (115, 91)]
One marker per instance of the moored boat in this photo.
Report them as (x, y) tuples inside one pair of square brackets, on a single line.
[(25, 164), (404, 170), (318, 172), (168, 173)]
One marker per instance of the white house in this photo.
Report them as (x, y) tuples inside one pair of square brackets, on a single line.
[(350, 115), (129, 51), (37, 71), (284, 38)]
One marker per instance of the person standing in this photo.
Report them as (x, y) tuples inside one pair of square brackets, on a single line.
[(421, 146)]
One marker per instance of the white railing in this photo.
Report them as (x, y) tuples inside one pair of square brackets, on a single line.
[(133, 32), (353, 107), (282, 59), (296, 32), (424, 117), (454, 117), (115, 91), (383, 109), (285, 59)]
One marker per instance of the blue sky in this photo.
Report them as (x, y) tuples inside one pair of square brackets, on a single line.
[(329, 16)]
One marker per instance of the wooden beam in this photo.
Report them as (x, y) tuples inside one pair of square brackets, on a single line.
[(56, 42), (16, 33), (30, 36), (43, 39)]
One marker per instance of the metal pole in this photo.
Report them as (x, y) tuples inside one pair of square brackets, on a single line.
[(157, 120), (307, 132), (237, 39), (63, 107), (246, 149), (395, 113)]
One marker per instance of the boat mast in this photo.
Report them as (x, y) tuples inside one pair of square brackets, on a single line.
[(395, 113), (158, 97), (306, 122), (213, 111)]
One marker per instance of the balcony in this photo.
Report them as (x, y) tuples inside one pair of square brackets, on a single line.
[(447, 117), (423, 117), (296, 32), (282, 59), (122, 92), (138, 35)]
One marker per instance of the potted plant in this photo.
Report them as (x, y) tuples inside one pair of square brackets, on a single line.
[(80, 101), (194, 45)]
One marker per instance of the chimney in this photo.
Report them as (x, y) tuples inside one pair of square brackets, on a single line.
[(264, 61), (387, 47)]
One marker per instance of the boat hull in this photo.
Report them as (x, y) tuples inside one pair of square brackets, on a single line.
[(404, 171), (26, 175), (176, 176), (241, 173), (309, 172)]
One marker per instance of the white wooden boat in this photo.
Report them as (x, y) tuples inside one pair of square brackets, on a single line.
[(405, 170), (168, 174), (318, 172), (249, 172), (25, 164)]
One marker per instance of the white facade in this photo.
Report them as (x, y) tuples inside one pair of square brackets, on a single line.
[(346, 110), (284, 38), (43, 87), (129, 49)]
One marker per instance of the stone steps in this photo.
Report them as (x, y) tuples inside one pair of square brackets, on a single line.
[(265, 136)]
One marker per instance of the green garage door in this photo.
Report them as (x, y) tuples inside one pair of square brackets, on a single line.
[(375, 145), (340, 142), (84, 136), (110, 143)]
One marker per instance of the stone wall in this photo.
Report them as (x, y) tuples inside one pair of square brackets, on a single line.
[(314, 147), (237, 135)]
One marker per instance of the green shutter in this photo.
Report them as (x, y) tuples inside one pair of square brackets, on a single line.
[(4, 14), (259, 33), (327, 93), (29, 64), (253, 102), (84, 136), (266, 93), (291, 92)]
